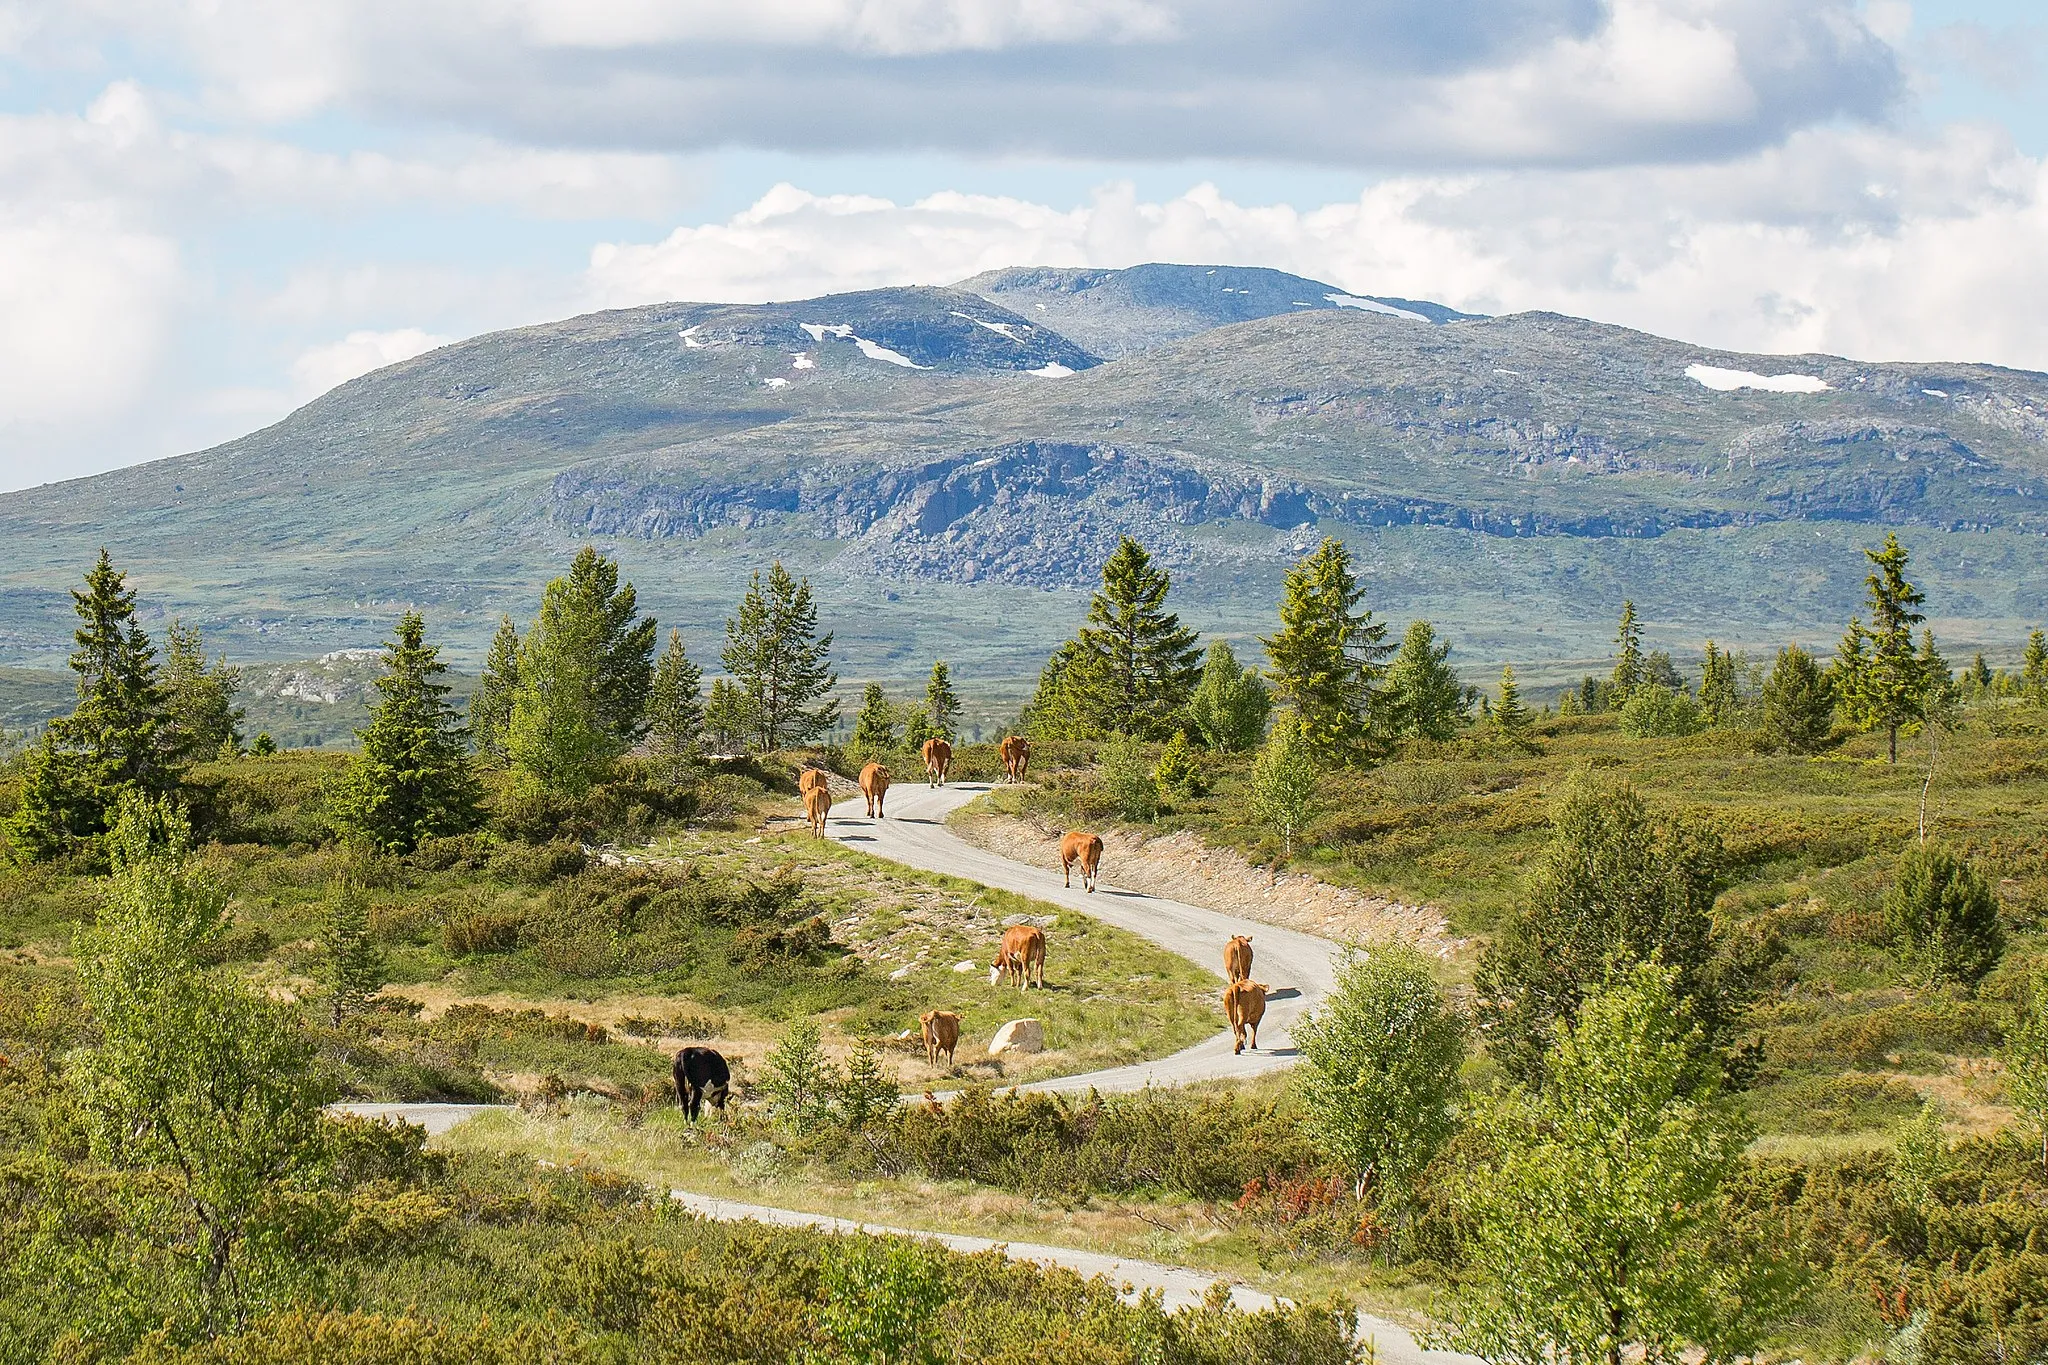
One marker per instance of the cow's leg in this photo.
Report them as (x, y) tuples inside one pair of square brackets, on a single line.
[(1067, 874), (693, 1100)]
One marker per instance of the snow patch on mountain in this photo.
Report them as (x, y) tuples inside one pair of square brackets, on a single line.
[(1727, 381), (1373, 306)]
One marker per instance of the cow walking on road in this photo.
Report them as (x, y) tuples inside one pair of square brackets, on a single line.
[(1237, 958), (938, 758), (874, 785), (1244, 1003), (1085, 849), (817, 805)]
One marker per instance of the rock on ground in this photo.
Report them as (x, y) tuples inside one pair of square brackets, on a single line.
[(1019, 1035)]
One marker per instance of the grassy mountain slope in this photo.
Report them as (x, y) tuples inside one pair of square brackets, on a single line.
[(1510, 477)]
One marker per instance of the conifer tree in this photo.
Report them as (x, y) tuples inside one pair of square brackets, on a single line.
[(1230, 705), (1886, 687), (490, 706), (200, 712), (118, 739), (1718, 697), (874, 729), (940, 703), (411, 779), (1630, 671), (1135, 665), (2034, 669), (1325, 660), (1058, 708), (728, 718), (624, 646), (1977, 677), (675, 709), (557, 738), (1511, 719), (1798, 702), (779, 661), (1424, 697)]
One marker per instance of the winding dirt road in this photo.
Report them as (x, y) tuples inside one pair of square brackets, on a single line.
[(1298, 969)]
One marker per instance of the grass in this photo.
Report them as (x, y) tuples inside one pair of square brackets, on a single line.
[(1852, 1036)]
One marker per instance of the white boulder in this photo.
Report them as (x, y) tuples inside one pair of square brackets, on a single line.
[(1019, 1035), (966, 966)]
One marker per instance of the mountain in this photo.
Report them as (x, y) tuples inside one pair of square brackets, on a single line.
[(950, 466)]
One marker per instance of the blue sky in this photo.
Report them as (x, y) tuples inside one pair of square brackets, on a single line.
[(211, 211)]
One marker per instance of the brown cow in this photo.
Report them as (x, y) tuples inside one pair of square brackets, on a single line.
[(1237, 958), (1022, 951), (1085, 849), (941, 1034), (874, 785), (817, 805), (1016, 752), (812, 777), (1245, 1004), (938, 756)]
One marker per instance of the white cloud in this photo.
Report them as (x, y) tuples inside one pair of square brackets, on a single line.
[(1347, 82), (358, 353), (1852, 242)]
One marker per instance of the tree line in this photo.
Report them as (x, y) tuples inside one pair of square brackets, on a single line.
[(558, 708)]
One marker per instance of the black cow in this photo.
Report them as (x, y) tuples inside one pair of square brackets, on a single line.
[(701, 1074)]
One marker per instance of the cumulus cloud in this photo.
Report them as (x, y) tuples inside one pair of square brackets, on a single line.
[(1851, 242), (321, 368), (1343, 82)]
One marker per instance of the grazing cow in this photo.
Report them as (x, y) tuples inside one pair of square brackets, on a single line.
[(1237, 958), (1084, 848), (941, 1034), (938, 756), (1016, 752), (812, 777), (1022, 953), (874, 785), (701, 1074), (817, 805), (1245, 1003)]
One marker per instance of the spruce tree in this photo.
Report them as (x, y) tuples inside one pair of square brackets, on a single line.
[(202, 718), (118, 740), (624, 643), (490, 706), (1325, 660), (1511, 719), (1058, 708), (874, 730), (1977, 678), (675, 709), (1425, 700), (728, 717), (1798, 702), (557, 738), (1887, 687), (2034, 669), (1941, 909), (1135, 665), (940, 703), (1230, 705), (411, 779), (780, 662), (1718, 696), (1630, 670)]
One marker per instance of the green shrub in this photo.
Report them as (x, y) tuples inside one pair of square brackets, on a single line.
[(538, 864), (1653, 710), (1943, 909), (1126, 779)]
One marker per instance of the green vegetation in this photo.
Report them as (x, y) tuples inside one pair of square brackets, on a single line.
[(1326, 658), (411, 780), (781, 666), (1132, 668)]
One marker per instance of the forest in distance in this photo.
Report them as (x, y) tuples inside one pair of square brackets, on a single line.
[(1739, 1044)]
